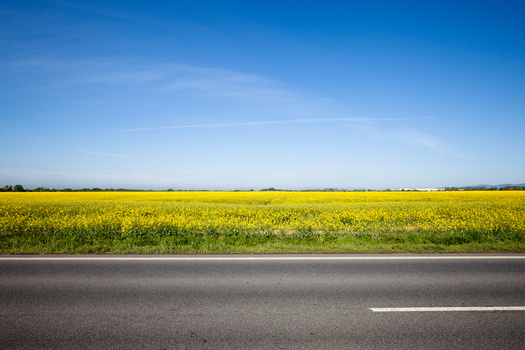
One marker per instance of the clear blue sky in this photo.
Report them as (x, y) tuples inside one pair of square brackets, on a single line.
[(255, 94)]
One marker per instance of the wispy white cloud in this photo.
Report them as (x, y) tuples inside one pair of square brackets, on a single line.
[(124, 77), (168, 78), (413, 137), (216, 83), (433, 143), (223, 83)]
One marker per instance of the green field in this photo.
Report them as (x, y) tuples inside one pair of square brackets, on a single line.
[(261, 222)]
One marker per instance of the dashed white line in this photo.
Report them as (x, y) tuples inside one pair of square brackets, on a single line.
[(444, 309)]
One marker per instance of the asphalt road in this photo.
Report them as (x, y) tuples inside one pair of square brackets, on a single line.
[(262, 302)]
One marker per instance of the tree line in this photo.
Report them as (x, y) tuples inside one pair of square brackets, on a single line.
[(481, 188), (20, 188)]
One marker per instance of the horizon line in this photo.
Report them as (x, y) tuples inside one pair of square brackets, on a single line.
[(272, 189)]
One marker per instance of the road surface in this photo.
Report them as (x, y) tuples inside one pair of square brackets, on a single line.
[(263, 302)]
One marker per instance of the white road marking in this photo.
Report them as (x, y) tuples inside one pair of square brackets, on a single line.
[(440, 309), (250, 258)]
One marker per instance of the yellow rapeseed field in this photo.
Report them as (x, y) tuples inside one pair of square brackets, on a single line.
[(231, 213)]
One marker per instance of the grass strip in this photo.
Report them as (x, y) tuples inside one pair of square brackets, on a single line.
[(471, 242)]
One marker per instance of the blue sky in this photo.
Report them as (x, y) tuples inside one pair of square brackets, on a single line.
[(255, 94)]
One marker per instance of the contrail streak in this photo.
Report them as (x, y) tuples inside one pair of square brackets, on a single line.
[(271, 122)]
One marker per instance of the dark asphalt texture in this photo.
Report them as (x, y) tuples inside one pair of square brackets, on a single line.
[(274, 304)]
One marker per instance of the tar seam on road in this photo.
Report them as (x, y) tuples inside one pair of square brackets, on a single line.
[(441, 309), (252, 258)]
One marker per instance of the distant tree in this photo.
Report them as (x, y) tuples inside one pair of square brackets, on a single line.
[(7, 188), (19, 188), (451, 189), (269, 189)]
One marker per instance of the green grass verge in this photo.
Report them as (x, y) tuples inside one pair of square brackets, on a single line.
[(407, 242)]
